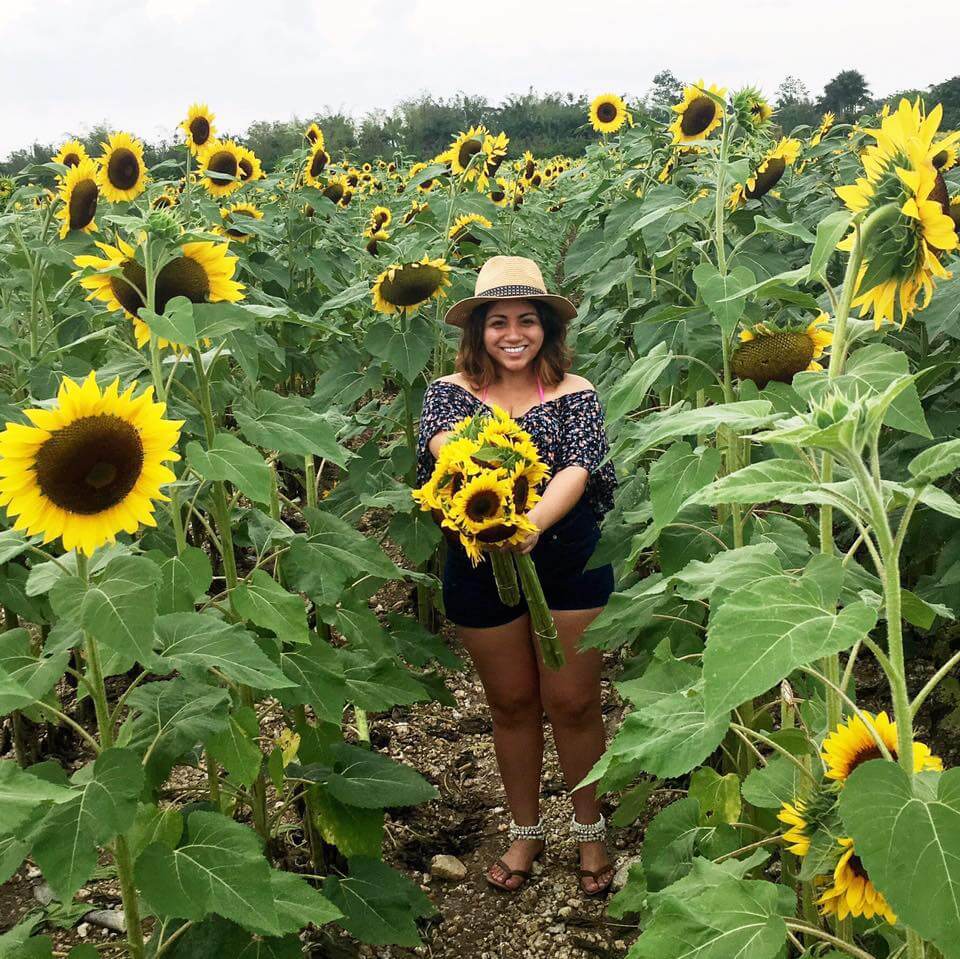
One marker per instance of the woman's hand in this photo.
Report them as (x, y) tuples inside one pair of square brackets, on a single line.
[(526, 545)]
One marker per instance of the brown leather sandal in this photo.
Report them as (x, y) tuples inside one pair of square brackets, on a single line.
[(518, 832), (592, 832), (602, 890)]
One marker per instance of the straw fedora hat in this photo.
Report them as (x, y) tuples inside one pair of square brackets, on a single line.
[(509, 277)]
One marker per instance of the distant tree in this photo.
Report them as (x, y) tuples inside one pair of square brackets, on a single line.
[(791, 90), (846, 95), (665, 90), (947, 93)]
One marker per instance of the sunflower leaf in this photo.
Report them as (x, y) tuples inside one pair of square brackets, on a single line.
[(407, 351), (766, 629), (830, 231), (175, 323), (231, 460), (263, 601), (721, 293), (631, 388), (907, 835)]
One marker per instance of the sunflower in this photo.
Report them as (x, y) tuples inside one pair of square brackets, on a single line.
[(165, 200), (403, 287), (427, 185), (756, 111), (495, 147), (123, 175), (779, 354), (415, 209), (500, 192), (198, 127), (852, 893), (955, 211), (526, 166), (233, 217), (768, 174), (903, 258), (347, 196), (219, 164), (88, 468), (826, 121), (373, 237), (314, 135), (698, 114), (317, 160), (944, 158), (71, 153), (459, 232), (250, 167), (851, 744), (462, 151), (80, 192), (202, 273), (336, 188), (608, 113), (484, 497), (793, 815), (380, 217)]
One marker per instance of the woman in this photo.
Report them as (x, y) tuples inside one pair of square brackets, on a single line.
[(513, 355)]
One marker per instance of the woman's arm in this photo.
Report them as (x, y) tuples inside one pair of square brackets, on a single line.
[(561, 495), (437, 440)]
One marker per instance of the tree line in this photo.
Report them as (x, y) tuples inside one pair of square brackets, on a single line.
[(543, 123)]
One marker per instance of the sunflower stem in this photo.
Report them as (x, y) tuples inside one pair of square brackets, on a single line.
[(505, 573), (544, 628)]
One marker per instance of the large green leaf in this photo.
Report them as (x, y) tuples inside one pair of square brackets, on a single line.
[(380, 684), (728, 570), (184, 579), (680, 472), (219, 868), (758, 483), (199, 639), (334, 554), (298, 903), (262, 600), (723, 293), (362, 777), (935, 462), (630, 389), (770, 786), (66, 844), (236, 748), (407, 351), (24, 677), (120, 606), (907, 835), (287, 424), (380, 905), (316, 679), (22, 793), (168, 719), (765, 630), (736, 919), (354, 831), (231, 460)]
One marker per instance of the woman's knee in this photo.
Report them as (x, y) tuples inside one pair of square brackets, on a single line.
[(573, 709), (516, 708)]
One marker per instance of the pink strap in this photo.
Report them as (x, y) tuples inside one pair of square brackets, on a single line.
[(483, 395)]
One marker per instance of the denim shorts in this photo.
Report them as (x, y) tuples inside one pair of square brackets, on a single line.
[(470, 595)]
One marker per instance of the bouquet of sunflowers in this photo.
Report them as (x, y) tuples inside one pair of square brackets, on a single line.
[(482, 488)]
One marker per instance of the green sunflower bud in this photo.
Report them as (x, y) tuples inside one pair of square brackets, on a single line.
[(165, 225)]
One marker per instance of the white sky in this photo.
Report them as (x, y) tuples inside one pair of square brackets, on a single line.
[(138, 64)]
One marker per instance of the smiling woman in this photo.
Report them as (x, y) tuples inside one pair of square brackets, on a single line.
[(513, 356)]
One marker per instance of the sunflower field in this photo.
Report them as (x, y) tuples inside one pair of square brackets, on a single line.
[(210, 384)]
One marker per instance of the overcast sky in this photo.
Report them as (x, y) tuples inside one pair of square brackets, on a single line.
[(138, 64)]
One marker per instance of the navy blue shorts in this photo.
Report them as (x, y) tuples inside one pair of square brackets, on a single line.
[(470, 595)]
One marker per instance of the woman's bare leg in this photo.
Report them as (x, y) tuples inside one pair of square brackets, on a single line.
[(571, 697), (506, 663)]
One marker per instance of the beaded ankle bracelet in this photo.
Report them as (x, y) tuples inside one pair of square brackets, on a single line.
[(588, 832), (527, 832)]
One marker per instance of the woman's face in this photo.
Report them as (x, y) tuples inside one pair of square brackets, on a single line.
[(513, 333)]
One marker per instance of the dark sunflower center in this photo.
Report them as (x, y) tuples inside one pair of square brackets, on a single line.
[(317, 162), (528, 170), (767, 180), (91, 464), (379, 220), (183, 276), (698, 116), (606, 112), (939, 158), (312, 136), (334, 192), (200, 130), (129, 296), (246, 168), (867, 752), (468, 149), (521, 492), (123, 169), (71, 159), (222, 164), (352, 179), (83, 204), (493, 164), (856, 867), (162, 202), (482, 505), (497, 196), (776, 356), (411, 285), (941, 194), (233, 229), (496, 534)]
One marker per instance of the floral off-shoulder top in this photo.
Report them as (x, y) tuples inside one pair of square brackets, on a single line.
[(567, 431)]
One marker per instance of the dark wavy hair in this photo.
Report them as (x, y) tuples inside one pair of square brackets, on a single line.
[(550, 364)]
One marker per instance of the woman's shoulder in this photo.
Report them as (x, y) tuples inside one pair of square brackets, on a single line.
[(457, 380), (571, 384)]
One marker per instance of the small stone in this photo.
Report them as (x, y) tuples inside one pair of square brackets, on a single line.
[(83, 930), (529, 896), (574, 903), (565, 912), (620, 877), (43, 893), (32, 872), (448, 867), (619, 944)]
